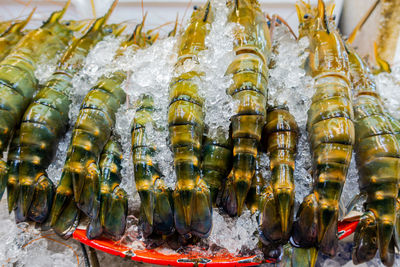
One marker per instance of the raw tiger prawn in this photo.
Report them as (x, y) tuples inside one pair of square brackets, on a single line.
[(250, 77), (113, 199), (156, 207), (277, 200), (396, 131), (12, 35), (377, 151), (330, 127), (80, 181), (378, 160), (17, 80), (216, 162), (43, 124), (192, 201), (156, 204)]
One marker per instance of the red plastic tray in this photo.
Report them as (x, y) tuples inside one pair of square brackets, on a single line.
[(194, 259)]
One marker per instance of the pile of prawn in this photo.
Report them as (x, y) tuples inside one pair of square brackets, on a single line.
[(346, 116)]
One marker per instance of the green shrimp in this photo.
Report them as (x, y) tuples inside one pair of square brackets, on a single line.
[(249, 69), (156, 209), (330, 127), (18, 83), (80, 177), (192, 202), (44, 123)]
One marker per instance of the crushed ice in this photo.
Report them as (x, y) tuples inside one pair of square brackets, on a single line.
[(150, 71), (23, 245), (219, 107), (234, 234), (388, 86), (263, 166), (45, 69)]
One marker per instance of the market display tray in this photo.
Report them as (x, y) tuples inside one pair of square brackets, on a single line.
[(153, 256)]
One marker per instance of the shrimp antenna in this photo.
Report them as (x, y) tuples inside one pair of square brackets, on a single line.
[(110, 10), (308, 5), (142, 5), (364, 19), (184, 14), (174, 30), (93, 8), (274, 19)]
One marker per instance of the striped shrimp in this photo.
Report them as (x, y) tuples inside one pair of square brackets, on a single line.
[(377, 150), (43, 124), (156, 204), (216, 162), (156, 209), (113, 199), (396, 131), (17, 80), (192, 202), (277, 201), (80, 176), (250, 77), (12, 35), (383, 66), (330, 127)]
